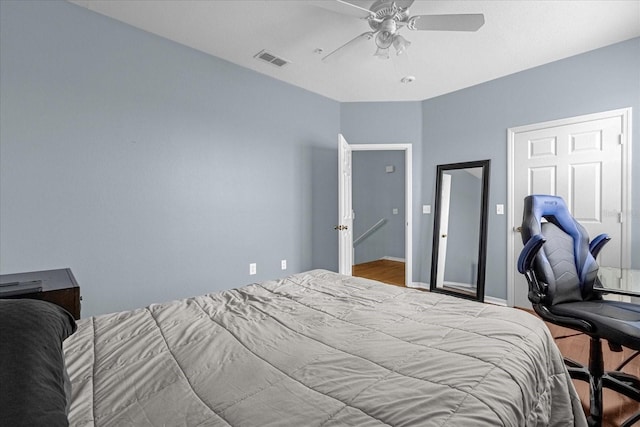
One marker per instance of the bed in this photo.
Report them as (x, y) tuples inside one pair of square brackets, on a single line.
[(318, 349)]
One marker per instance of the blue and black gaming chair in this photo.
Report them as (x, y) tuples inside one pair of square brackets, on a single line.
[(560, 266)]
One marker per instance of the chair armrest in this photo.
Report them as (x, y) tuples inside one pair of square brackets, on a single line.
[(597, 243), (529, 252), (537, 290)]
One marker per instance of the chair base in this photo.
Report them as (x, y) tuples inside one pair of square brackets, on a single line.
[(631, 421), (598, 379)]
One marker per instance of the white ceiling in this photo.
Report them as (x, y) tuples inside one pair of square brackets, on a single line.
[(517, 35)]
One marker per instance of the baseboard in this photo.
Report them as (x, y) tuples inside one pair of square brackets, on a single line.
[(392, 258), (496, 301), (458, 284), (489, 300), (419, 285)]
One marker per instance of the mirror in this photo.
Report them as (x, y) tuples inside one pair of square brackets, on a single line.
[(460, 229)]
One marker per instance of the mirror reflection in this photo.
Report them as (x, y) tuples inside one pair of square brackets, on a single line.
[(459, 242)]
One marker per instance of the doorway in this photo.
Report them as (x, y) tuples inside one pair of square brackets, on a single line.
[(379, 215), (345, 203), (586, 161)]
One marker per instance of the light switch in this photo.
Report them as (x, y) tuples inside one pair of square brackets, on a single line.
[(426, 209), (395, 211), (499, 209)]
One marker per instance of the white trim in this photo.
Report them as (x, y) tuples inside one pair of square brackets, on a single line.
[(495, 301), (627, 219), (625, 115), (420, 285), (393, 258), (457, 284), (408, 172), (511, 139), (487, 299)]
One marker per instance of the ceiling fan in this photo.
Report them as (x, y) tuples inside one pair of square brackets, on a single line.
[(386, 18)]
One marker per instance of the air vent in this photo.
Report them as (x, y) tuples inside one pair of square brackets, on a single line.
[(271, 58)]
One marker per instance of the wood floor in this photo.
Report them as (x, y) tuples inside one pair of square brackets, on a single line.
[(383, 270), (617, 407)]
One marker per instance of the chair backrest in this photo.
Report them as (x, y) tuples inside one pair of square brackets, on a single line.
[(564, 263)]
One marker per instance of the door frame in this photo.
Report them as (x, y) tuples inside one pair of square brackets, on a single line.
[(408, 185), (625, 141)]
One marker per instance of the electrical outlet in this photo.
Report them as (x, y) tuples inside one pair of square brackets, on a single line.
[(283, 264), (426, 209), (253, 268), (499, 209)]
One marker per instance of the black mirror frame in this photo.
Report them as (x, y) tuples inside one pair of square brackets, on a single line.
[(482, 249)]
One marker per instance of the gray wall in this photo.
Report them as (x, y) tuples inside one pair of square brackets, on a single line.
[(152, 170), (156, 172), (472, 124), (375, 194)]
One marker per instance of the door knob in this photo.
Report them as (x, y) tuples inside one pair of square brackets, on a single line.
[(444, 235), (341, 227)]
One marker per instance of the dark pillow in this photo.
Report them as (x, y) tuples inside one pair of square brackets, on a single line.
[(32, 370)]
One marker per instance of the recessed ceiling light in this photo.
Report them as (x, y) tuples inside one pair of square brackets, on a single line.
[(407, 79)]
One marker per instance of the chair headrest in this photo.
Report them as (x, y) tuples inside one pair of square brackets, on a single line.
[(554, 210)]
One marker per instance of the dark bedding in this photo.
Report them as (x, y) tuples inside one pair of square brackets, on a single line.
[(34, 386)]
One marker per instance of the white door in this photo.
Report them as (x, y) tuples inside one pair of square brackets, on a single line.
[(581, 160), (345, 204), (345, 209), (445, 199)]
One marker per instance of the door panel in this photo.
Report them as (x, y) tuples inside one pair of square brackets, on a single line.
[(541, 148), (542, 180), (586, 192), (345, 208), (581, 162)]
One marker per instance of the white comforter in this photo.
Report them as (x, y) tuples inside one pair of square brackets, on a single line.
[(319, 349)]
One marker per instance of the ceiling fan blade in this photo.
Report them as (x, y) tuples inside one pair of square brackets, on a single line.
[(459, 22), (343, 7), (348, 46)]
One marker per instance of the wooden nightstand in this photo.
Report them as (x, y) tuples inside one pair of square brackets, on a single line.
[(56, 286)]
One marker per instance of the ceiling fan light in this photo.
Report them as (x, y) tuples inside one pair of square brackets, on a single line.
[(382, 53), (400, 44), (384, 39)]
